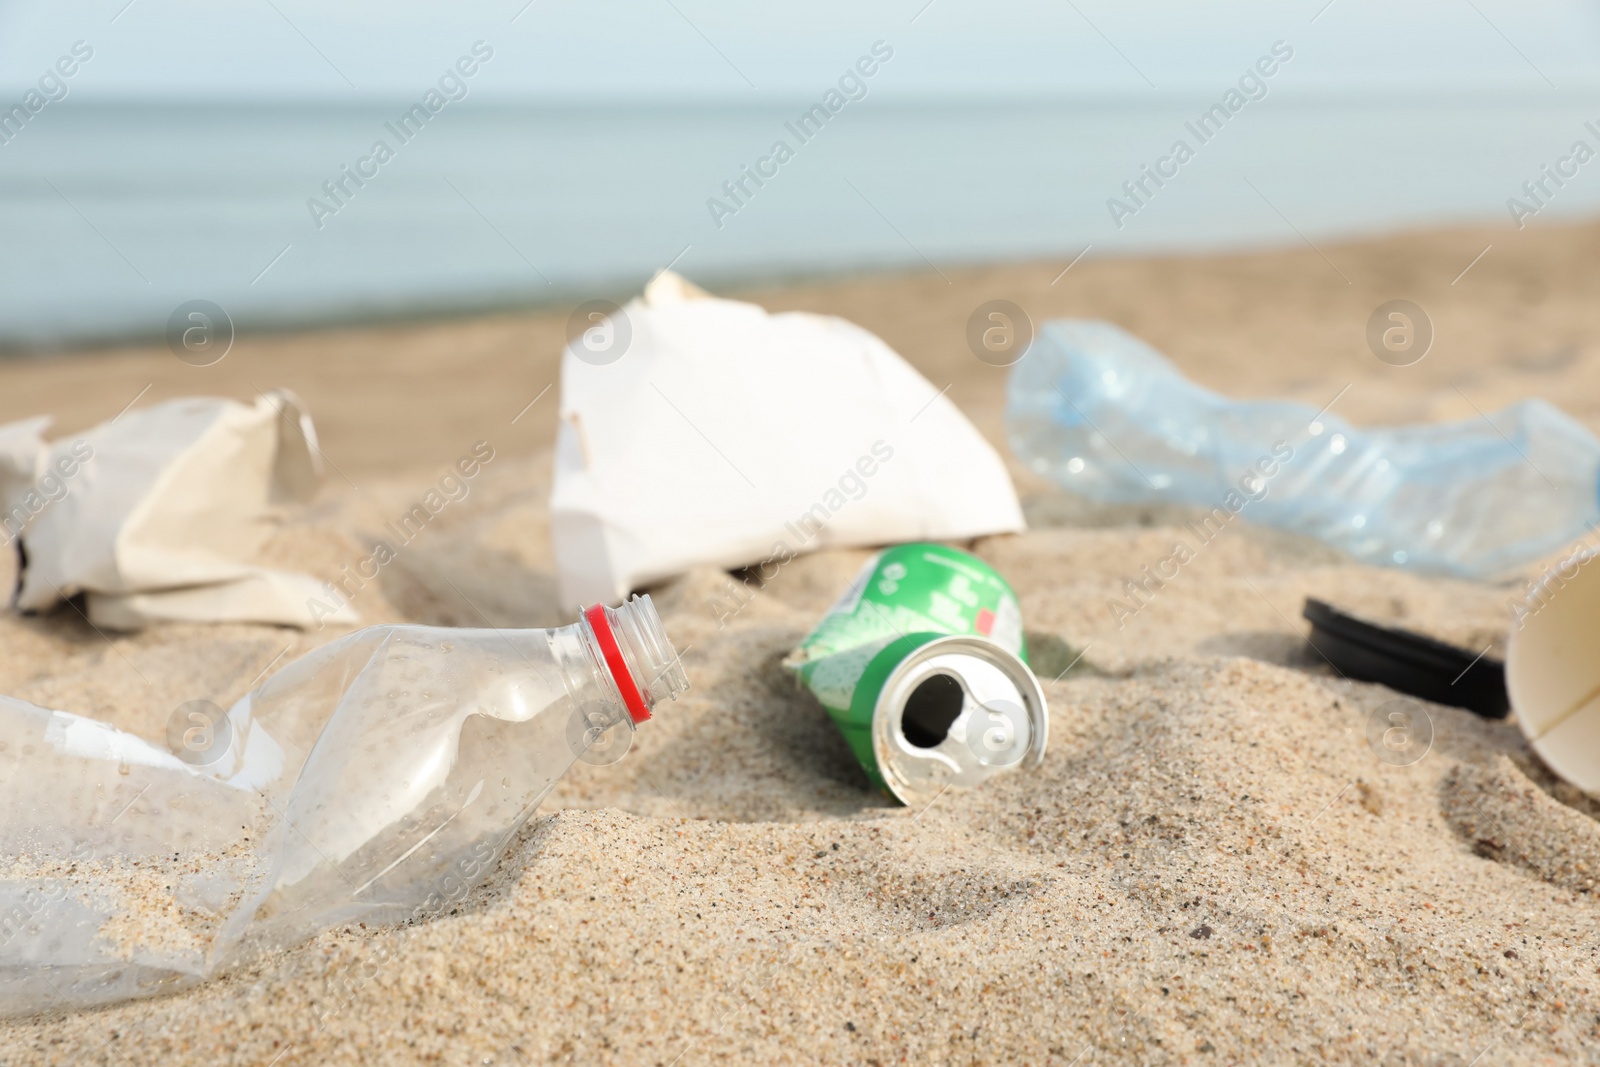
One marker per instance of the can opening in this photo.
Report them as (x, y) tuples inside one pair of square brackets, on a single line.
[(931, 709)]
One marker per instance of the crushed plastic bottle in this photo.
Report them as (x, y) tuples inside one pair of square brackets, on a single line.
[(1101, 413), (376, 779)]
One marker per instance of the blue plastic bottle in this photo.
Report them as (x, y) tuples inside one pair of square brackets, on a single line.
[(1103, 414)]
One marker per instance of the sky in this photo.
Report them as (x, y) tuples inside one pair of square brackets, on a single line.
[(651, 51)]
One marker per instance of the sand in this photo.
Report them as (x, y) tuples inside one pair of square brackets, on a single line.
[(1213, 864)]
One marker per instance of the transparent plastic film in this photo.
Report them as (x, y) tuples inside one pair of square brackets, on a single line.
[(1106, 416), (376, 779)]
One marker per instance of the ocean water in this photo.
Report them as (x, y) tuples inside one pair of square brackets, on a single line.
[(115, 215)]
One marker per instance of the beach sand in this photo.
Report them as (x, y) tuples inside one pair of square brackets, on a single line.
[(1212, 866)]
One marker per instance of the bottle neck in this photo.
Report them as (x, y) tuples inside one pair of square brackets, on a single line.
[(619, 663)]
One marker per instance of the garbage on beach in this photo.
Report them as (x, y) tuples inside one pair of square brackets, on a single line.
[(1407, 662), (376, 779), (922, 665), (1553, 669), (22, 454), (1102, 414), (701, 431), (153, 515), (1550, 677)]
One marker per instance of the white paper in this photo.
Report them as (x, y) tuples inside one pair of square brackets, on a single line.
[(22, 454), (727, 436), (156, 515)]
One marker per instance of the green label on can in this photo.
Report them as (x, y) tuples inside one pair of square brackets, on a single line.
[(915, 588)]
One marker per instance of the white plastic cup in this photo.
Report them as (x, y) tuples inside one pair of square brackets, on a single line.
[(1553, 669)]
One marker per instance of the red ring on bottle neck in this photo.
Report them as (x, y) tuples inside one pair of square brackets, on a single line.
[(632, 699)]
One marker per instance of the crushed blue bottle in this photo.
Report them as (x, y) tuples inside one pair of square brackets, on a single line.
[(1104, 415)]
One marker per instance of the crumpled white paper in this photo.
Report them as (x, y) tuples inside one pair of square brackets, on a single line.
[(722, 435), (21, 459), (154, 514)]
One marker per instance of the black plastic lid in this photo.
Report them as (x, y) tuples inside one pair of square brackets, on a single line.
[(1408, 662)]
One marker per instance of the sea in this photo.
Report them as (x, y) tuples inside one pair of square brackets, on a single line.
[(286, 215)]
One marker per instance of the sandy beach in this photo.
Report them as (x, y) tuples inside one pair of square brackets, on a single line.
[(1212, 866)]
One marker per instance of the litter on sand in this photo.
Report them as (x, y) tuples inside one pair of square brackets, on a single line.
[(922, 665), (1104, 415), (722, 435), (1553, 669), (153, 515), (375, 779)]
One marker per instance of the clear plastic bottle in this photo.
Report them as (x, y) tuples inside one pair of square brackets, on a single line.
[(376, 779), (1103, 414)]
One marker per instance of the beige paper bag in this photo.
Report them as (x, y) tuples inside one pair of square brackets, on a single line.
[(22, 451), (162, 508)]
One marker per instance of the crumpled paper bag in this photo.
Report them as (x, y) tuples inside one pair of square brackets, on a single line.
[(21, 461), (154, 514), (722, 435)]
